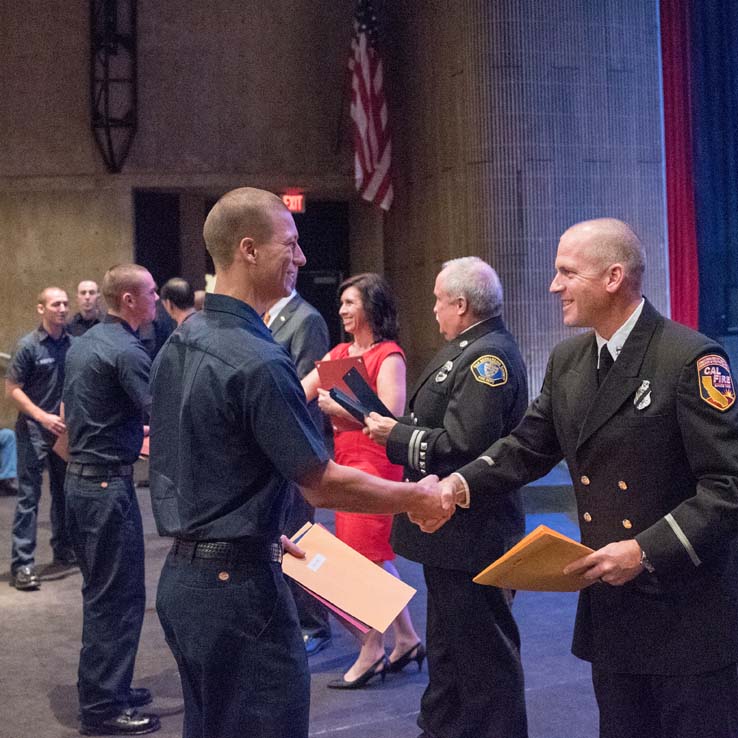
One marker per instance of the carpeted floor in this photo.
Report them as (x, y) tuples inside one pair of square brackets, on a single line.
[(40, 631)]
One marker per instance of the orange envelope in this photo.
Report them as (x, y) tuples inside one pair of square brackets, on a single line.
[(537, 563), (346, 579)]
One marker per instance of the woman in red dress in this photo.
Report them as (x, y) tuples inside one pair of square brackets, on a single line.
[(368, 313)]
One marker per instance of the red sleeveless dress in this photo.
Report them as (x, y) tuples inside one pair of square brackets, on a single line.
[(368, 534)]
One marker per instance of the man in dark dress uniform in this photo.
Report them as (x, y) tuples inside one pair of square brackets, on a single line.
[(34, 385), (472, 392), (229, 433), (106, 394), (301, 330), (643, 410)]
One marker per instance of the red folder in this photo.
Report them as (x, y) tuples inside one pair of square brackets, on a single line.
[(331, 372)]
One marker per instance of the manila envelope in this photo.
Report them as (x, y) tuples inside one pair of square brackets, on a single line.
[(346, 579), (537, 563)]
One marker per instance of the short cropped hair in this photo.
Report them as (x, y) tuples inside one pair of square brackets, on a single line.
[(378, 304), (179, 291), (477, 282), (614, 241), (120, 279), (244, 212), (43, 296)]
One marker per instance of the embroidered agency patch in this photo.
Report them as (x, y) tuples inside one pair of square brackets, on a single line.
[(716, 382), (490, 370)]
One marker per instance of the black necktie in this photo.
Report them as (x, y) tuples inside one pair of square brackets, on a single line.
[(606, 361)]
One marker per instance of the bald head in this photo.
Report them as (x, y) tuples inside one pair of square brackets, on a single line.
[(609, 241), (243, 213)]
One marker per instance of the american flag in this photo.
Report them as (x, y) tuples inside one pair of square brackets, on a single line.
[(372, 144)]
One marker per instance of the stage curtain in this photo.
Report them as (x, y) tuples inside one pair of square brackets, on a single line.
[(714, 25), (680, 196)]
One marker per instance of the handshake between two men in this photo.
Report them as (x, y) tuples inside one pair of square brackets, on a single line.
[(450, 491)]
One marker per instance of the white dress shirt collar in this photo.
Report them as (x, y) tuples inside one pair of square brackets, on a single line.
[(278, 306), (617, 340)]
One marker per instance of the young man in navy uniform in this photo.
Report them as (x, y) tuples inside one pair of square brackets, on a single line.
[(472, 392), (88, 295), (229, 432), (34, 384), (106, 397), (643, 410)]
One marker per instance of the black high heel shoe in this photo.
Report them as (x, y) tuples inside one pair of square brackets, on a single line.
[(416, 653), (378, 668)]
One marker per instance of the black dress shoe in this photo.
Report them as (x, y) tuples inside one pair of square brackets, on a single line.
[(315, 643), (58, 569), (26, 578), (379, 668), (128, 722), (416, 653), (139, 696)]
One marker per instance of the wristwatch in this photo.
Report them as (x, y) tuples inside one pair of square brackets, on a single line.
[(646, 564)]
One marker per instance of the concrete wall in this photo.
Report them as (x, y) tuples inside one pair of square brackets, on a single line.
[(515, 119)]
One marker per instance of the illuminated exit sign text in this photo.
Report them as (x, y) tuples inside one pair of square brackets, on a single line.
[(294, 203)]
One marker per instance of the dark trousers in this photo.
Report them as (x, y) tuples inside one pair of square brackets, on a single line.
[(648, 706), (233, 630), (475, 687), (104, 523), (312, 614), (34, 452)]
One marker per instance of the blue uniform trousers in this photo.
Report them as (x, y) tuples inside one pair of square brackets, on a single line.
[(104, 523), (34, 451), (233, 630)]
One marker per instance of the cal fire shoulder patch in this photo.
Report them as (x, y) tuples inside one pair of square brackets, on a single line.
[(490, 370), (715, 382)]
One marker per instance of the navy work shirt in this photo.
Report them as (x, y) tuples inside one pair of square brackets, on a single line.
[(38, 367), (106, 393), (229, 427), (78, 325)]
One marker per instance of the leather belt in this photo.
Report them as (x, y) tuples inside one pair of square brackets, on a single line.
[(100, 470), (234, 551)]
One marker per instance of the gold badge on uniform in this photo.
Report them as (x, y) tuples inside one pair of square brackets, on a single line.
[(716, 382), (490, 370)]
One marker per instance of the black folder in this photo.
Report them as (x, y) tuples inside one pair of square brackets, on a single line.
[(365, 394)]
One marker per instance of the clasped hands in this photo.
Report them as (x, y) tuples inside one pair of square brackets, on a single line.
[(439, 504)]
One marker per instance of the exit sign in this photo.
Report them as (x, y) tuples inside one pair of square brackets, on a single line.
[(294, 203)]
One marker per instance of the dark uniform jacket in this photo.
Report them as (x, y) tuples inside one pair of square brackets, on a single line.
[(473, 392), (653, 455)]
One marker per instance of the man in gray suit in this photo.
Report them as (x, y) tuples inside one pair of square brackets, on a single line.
[(301, 330)]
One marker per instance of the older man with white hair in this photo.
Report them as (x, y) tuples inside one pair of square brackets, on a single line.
[(473, 392)]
